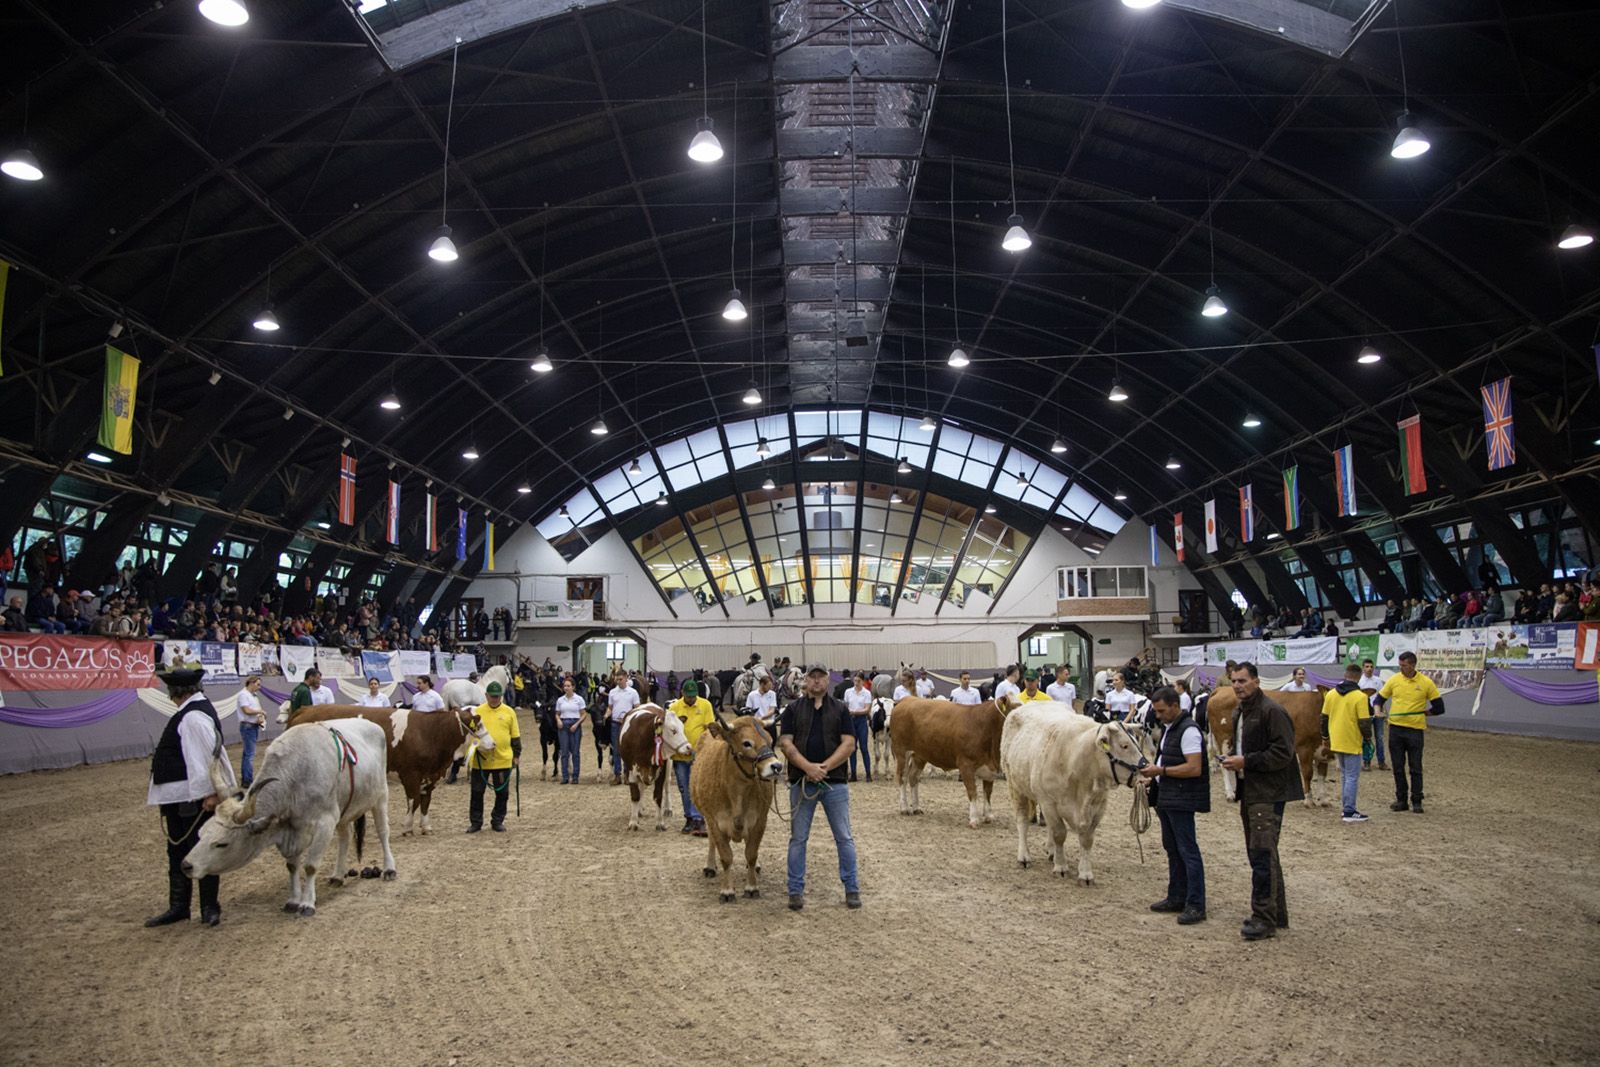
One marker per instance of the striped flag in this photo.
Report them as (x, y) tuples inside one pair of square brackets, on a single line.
[(430, 520), (1177, 535), (394, 513), (347, 489), (1291, 498), (1411, 472), (1211, 524), (1344, 480), (461, 535), (1155, 548), (116, 407), (1247, 513), (488, 546), (1498, 433)]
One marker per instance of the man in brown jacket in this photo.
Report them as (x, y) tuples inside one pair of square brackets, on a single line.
[(1264, 759)]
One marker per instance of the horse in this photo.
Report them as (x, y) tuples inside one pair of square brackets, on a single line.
[(789, 686), (746, 682)]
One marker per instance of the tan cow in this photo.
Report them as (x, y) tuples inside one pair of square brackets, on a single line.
[(421, 745), (960, 737), (1305, 711), (646, 739), (731, 782)]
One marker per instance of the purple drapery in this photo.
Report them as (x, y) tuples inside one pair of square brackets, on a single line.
[(115, 702), (1552, 693), (1206, 679), (276, 695), (1317, 679)]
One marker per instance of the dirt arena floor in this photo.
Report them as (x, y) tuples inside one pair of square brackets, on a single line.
[(1464, 936)]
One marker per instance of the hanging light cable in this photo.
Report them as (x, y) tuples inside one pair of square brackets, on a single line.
[(958, 355), (541, 360), (1410, 142), (704, 148), (443, 249), (734, 310), (1213, 307), (1016, 239), (21, 163)]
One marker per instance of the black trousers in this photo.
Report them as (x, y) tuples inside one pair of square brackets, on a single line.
[(184, 829), (1405, 748), (1262, 824), (500, 781)]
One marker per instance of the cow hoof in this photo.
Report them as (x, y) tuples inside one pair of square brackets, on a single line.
[(390, 875), (426, 830), (728, 897), (988, 818), (752, 893), (635, 829), (352, 873), (1022, 863), (291, 907), (405, 833), (758, 868), (1086, 881), (336, 882), (371, 872), (709, 872), (306, 911)]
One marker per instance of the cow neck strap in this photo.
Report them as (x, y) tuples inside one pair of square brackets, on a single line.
[(1111, 757)]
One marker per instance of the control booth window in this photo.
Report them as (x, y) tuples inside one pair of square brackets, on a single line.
[(1075, 582)]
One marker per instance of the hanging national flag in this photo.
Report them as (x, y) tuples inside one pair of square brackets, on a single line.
[(461, 534), (1497, 429), (1344, 480), (394, 513), (5, 270), (488, 546), (1247, 513), (1211, 525), (430, 519), (116, 408), (1177, 535), (1411, 472), (1155, 548), (347, 489), (1291, 498)]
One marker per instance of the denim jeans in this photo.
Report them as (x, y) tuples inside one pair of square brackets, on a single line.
[(1349, 779), (569, 744), (680, 771), (1380, 734), (861, 727), (249, 734), (1186, 870), (616, 750), (834, 799)]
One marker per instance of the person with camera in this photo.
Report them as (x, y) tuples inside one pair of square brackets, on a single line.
[(1180, 787), (1269, 777), (1412, 697)]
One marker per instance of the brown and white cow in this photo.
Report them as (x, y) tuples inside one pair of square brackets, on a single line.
[(1305, 711), (731, 782), (646, 740), (960, 737), (1063, 766), (421, 745)]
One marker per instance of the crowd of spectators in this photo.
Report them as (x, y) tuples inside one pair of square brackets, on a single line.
[(1564, 601)]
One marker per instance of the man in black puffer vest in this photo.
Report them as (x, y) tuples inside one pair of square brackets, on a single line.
[(181, 785), (1180, 786)]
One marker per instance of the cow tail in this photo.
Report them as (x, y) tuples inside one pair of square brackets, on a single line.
[(361, 833)]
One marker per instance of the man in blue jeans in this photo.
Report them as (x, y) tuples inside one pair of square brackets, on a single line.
[(816, 738), (1181, 782)]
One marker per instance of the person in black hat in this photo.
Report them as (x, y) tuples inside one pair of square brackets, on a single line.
[(181, 785), (817, 741)]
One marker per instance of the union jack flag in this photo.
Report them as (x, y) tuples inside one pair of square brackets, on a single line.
[(347, 489), (1498, 432)]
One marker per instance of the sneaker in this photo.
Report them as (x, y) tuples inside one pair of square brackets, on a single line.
[(1191, 916), (852, 900), (1383, 766), (1398, 805), (1354, 816), (1417, 807), (796, 901), (1167, 904)]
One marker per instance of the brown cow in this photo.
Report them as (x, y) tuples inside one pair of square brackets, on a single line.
[(1305, 711), (949, 736), (421, 745), (730, 782), (646, 737)]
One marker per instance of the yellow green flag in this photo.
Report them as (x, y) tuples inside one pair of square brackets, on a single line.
[(5, 270), (116, 413)]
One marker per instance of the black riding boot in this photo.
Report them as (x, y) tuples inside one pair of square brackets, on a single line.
[(178, 892)]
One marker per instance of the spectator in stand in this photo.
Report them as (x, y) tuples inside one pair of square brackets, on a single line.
[(1566, 609), (1472, 609), (1589, 602), (35, 568), (1444, 613), (42, 606), (16, 621), (8, 562), (1547, 603)]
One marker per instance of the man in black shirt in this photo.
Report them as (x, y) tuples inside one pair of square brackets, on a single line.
[(816, 740)]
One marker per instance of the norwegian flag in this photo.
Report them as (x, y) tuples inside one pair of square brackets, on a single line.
[(347, 489), (394, 513), (1498, 432), (430, 516)]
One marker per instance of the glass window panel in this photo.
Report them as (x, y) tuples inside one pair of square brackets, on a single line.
[(674, 454), (613, 485), (739, 433), (712, 465), (705, 442)]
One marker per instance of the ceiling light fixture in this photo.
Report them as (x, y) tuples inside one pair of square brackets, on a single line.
[(1016, 239), (905, 465), (266, 321), (769, 484), (763, 450), (989, 508), (958, 358), (98, 457), (1410, 142), (895, 497), (1058, 446), (634, 470), (704, 148), (541, 363), (661, 499), (1118, 394), (443, 249), (214, 377), (734, 310), (22, 165), (1575, 236), (288, 413), (390, 402), (855, 333), (752, 395), (1214, 307), (470, 452), (324, 525), (1272, 536), (1369, 354), (1140, 5), (564, 513), (1022, 480), (1172, 463), (524, 488), (1251, 422), (1119, 495), (599, 429), (928, 425), (228, 13)]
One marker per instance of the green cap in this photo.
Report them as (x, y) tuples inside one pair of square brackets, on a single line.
[(690, 689), (1030, 675), (493, 689)]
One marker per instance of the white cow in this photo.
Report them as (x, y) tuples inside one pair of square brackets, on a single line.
[(316, 780), (461, 693), (1063, 765)]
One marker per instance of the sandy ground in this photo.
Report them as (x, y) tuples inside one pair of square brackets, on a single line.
[(1464, 936)]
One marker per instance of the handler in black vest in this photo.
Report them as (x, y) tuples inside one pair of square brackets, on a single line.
[(180, 783), (816, 740), (1180, 786)]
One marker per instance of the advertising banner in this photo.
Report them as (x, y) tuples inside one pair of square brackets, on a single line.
[(1358, 647), (1192, 654), (411, 664), (1238, 651), (335, 664), (564, 610), (454, 664), (1391, 645), (253, 657), (1300, 650), (33, 662), (297, 659), (1543, 646), (376, 665), (220, 662), (1586, 656)]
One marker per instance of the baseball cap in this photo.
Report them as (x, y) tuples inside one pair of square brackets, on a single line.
[(690, 689), (816, 668), (493, 689), (1030, 675)]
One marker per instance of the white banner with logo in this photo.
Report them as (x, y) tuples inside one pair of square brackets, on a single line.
[(335, 664), (410, 664), (1192, 654), (253, 657), (563, 610), (454, 664), (1299, 650), (297, 659)]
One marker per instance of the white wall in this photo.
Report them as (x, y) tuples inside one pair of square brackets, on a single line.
[(527, 562)]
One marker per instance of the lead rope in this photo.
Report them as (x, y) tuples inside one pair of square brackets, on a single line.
[(1139, 814)]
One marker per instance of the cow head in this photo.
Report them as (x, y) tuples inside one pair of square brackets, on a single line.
[(235, 834), (749, 743), (674, 742), (1127, 747), (472, 726)]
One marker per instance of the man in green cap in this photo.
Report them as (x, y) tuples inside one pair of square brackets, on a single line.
[(307, 694), (1030, 687), (696, 715), (493, 768)]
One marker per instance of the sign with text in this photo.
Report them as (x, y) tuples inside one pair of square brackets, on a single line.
[(33, 662)]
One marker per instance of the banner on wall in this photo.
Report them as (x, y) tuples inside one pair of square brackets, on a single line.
[(1449, 650), (1358, 647), (1544, 646), (1238, 651), (411, 664), (376, 665), (454, 664), (1299, 650), (335, 664), (297, 659), (253, 657), (1391, 645), (33, 662), (1586, 656), (573, 610), (1192, 654), (220, 662)]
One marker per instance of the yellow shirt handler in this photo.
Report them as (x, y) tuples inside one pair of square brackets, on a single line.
[(501, 722), (696, 714)]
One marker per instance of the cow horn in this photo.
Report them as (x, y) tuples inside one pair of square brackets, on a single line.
[(219, 784)]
